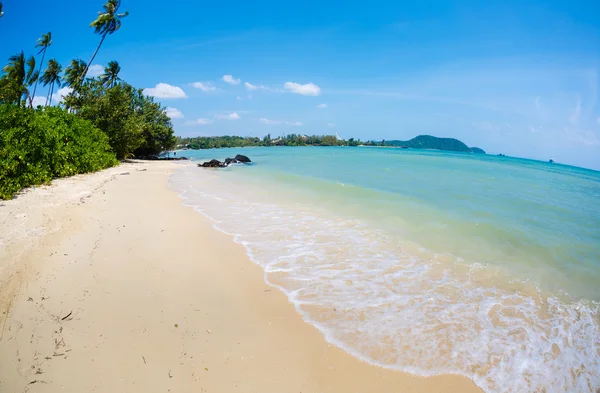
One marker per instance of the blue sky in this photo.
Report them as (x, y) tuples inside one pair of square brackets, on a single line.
[(521, 78)]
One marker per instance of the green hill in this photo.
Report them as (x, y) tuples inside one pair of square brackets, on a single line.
[(432, 142)]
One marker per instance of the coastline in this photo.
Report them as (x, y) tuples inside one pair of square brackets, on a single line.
[(111, 284)]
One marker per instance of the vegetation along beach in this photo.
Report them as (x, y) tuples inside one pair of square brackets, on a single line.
[(266, 198)]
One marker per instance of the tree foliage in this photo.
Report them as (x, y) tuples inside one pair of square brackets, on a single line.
[(38, 145), (134, 123), (238, 141), (107, 23)]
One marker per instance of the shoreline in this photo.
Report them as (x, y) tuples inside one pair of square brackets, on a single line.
[(113, 292)]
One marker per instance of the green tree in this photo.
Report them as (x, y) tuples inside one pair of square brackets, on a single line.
[(18, 75), (107, 23), (111, 74), (133, 122), (51, 76), (14, 72), (73, 73), (43, 42)]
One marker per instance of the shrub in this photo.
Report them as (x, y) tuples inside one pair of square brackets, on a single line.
[(38, 145)]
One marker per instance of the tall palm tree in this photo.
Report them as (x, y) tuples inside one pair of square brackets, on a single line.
[(43, 42), (111, 74), (73, 73), (107, 22), (51, 76)]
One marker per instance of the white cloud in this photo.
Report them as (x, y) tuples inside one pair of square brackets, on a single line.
[(278, 122), (174, 113), (309, 89), (238, 98), (231, 116), (574, 118), (60, 95), (164, 90), (206, 87), (201, 121), (38, 100), (322, 106), (270, 122), (330, 125), (95, 70), (250, 86), (231, 80)]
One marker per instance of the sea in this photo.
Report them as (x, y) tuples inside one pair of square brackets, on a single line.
[(424, 261)]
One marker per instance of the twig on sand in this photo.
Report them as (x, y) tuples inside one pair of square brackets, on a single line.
[(144, 360), (170, 376), (66, 316)]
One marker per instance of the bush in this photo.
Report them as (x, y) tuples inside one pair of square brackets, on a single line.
[(38, 145)]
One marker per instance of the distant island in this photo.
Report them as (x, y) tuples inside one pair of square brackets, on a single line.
[(419, 142)]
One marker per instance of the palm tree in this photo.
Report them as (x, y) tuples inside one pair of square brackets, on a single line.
[(73, 73), (21, 73), (43, 42), (111, 74), (51, 76), (108, 22), (14, 73)]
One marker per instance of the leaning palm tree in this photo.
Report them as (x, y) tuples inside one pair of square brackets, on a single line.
[(111, 74), (43, 42), (51, 76), (74, 72), (108, 22)]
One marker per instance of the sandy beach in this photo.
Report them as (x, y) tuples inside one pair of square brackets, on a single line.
[(109, 284)]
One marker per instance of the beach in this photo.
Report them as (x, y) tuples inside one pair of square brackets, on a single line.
[(109, 283)]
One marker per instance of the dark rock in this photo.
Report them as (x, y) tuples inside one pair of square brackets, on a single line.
[(213, 164), (230, 161), (242, 158)]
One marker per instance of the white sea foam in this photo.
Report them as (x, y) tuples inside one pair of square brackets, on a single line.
[(395, 305)]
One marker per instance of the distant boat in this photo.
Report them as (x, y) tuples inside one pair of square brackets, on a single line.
[(551, 161)]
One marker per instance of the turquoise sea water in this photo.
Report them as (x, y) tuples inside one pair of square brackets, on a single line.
[(423, 261)]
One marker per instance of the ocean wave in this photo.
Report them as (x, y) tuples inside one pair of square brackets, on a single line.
[(396, 305)]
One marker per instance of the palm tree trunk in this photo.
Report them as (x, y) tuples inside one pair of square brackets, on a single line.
[(87, 67), (48, 96), (51, 93), (36, 82)]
